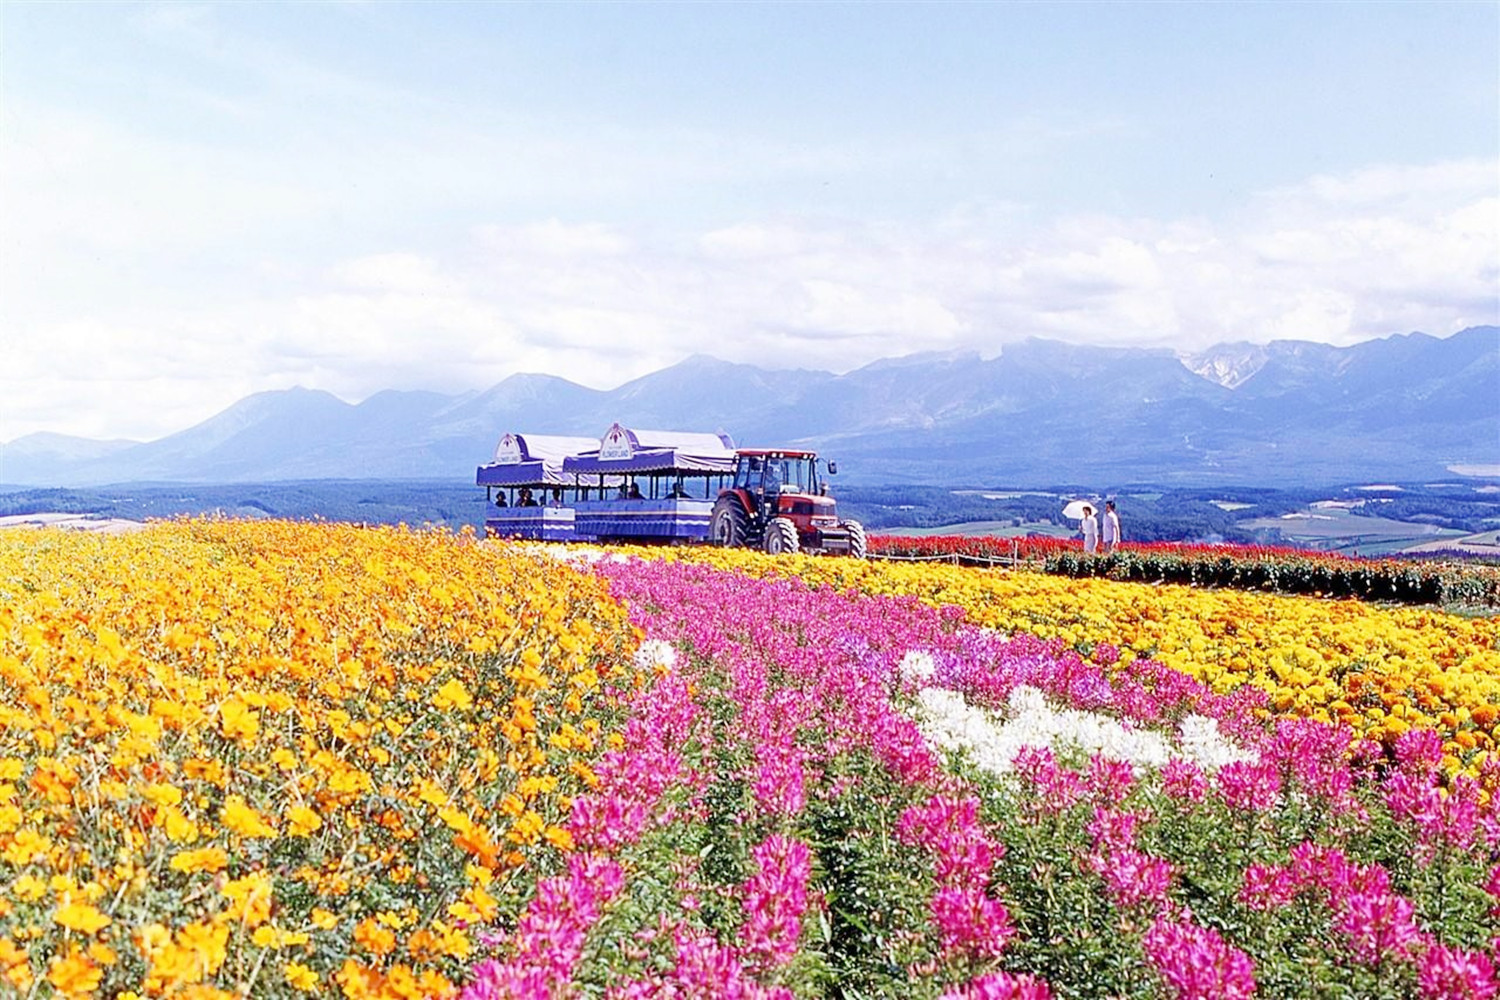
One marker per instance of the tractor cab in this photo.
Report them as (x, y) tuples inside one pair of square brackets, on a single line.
[(779, 502)]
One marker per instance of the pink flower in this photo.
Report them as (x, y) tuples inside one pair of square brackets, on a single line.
[(1492, 886), (775, 899), (949, 828), (1182, 779), (1000, 986), (1057, 788), (1113, 831), (1250, 787), (1456, 974), (1198, 964), (1419, 750), (1133, 877), (1109, 779), (971, 922), (1377, 926), (1268, 887)]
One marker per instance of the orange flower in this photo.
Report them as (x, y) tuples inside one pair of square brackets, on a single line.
[(374, 938)]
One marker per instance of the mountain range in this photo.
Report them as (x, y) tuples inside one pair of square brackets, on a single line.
[(1406, 407)]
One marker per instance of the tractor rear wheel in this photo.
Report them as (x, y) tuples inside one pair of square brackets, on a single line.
[(858, 545), (781, 537), (727, 524)]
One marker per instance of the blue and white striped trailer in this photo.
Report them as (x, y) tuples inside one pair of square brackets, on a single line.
[(649, 486), (527, 493)]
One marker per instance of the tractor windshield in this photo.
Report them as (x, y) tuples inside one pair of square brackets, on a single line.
[(793, 475)]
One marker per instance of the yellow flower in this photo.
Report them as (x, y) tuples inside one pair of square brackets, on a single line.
[(80, 917), (162, 794), (74, 974), (300, 977), (207, 859), (452, 695), (28, 888), (244, 820), (302, 820), (251, 897), (27, 847), (374, 938)]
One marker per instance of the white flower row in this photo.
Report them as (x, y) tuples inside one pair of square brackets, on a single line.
[(993, 739)]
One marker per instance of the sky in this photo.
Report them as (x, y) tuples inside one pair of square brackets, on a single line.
[(203, 201)]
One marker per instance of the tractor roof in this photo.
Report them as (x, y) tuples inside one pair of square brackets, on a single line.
[(777, 452)]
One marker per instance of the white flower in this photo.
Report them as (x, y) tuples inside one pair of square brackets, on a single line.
[(1200, 741), (950, 723), (655, 653), (918, 666)]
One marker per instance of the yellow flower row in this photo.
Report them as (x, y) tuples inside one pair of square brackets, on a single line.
[(276, 759), (1380, 670)]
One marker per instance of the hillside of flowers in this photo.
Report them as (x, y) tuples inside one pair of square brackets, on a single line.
[(294, 760), (1279, 570)]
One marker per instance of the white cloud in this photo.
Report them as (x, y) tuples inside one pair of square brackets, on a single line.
[(1336, 259)]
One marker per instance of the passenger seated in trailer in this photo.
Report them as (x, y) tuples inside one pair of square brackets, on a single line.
[(635, 491), (527, 500), (679, 492), (500, 500), (556, 499)]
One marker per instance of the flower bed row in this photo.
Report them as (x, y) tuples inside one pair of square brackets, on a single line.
[(1279, 570), (272, 759), (1379, 670), (827, 793)]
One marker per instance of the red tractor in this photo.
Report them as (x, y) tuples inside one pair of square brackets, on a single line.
[(779, 503)]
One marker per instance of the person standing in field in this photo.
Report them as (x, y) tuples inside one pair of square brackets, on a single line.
[(1111, 527), (1090, 531)]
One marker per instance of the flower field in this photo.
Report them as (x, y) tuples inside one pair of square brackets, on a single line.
[(1380, 671), (312, 760), (271, 758), (1469, 583)]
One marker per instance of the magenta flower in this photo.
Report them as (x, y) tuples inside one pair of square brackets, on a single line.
[(1419, 750), (1268, 887), (1184, 780), (1197, 964), (1000, 986), (1377, 926), (1456, 974), (1250, 787), (1132, 877), (1108, 779), (971, 922), (775, 899)]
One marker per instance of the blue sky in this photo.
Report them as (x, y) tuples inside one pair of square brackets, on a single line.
[(204, 201)]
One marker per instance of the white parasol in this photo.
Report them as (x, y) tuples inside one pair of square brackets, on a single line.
[(1074, 509)]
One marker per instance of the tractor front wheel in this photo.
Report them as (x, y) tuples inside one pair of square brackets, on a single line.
[(858, 545), (727, 524), (781, 537)]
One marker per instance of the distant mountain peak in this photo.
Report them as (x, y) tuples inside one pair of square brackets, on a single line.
[(1229, 365)]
